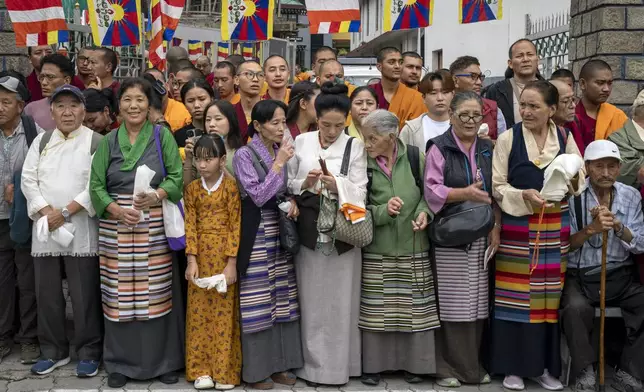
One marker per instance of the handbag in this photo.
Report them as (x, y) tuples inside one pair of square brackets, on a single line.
[(460, 224), (289, 238), (173, 214), (332, 222)]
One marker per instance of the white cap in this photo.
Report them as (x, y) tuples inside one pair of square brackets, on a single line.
[(601, 149)]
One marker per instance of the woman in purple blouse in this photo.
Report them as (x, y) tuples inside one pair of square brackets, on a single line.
[(270, 314), (459, 168)]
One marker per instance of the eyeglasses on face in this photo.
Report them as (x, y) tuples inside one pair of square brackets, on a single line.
[(473, 75), (465, 118), (250, 75)]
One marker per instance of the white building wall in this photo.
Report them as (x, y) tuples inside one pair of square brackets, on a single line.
[(488, 41)]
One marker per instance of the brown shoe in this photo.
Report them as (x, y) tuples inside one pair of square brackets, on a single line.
[(262, 385), (284, 378)]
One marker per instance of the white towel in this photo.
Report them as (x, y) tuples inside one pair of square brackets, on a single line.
[(63, 235), (216, 281), (558, 175)]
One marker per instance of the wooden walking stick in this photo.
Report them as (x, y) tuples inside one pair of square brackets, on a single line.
[(602, 312)]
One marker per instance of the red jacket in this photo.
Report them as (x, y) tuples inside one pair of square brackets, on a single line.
[(490, 115)]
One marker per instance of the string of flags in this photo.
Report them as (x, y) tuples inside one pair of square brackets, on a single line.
[(118, 22)]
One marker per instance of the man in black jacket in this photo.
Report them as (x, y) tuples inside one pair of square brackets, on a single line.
[(523, 68)]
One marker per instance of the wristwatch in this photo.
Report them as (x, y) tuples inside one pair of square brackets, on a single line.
[(620, 233), (66, 215)]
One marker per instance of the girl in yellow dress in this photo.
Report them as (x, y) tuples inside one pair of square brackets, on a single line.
[(213, 218)]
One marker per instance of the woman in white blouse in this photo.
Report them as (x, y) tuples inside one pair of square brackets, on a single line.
[(55, 180), (328, 272)]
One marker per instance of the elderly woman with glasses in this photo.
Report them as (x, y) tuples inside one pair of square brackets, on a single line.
[(459, 169), (397, 302), (535, 239)]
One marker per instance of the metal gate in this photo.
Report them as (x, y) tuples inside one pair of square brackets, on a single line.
[(551, 36)]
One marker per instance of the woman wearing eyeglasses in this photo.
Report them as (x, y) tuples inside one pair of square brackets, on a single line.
[(529, 273), (459, 169)]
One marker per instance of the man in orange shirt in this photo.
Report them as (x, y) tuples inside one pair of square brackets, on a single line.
[(412, 69), (224, 81), (277, 72), (406, 103), (596, 118), (174, 112)]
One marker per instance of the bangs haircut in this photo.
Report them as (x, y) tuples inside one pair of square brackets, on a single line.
[(209, 146), (426, 85), (263, 112)]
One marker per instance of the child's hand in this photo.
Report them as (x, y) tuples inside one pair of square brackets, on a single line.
[(230, 272), (192, 271)]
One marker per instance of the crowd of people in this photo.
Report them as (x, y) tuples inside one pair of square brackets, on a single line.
[(331, 230)]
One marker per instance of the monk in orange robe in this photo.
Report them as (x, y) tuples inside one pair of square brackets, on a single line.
[(406, 103), (277, 72), (331, 70), (224, 81)]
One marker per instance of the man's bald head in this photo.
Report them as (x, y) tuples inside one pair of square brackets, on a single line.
[(329, 70), (204, 65), (176, 53), (236, 60)]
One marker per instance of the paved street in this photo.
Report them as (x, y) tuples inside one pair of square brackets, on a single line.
[(15, 377)]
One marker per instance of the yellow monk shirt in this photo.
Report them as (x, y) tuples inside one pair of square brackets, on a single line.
[(176, 115)]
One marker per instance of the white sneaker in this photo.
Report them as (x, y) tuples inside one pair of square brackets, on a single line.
[(224, 387), (513, 383), (548, 382), (449, 382), (204, 382)]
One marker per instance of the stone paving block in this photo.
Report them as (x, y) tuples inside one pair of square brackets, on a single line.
[(182, 384), (355, 385), (3, 385), (68, 384), (278, 388), (14, 375), (32, 385)]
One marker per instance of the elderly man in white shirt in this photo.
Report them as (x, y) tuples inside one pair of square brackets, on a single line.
[(55, 180)]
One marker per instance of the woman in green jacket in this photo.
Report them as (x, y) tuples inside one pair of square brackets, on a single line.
[(397, 308)]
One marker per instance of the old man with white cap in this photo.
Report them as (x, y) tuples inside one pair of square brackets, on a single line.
[(605, 206), (630, 141)]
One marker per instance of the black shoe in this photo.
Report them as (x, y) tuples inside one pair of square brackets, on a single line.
[(312, 384), (5, 350), (29, 353), (412, 378), (116, 380), (169, 378), (372, 379)]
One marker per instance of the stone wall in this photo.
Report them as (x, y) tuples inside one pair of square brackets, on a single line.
[(11, 58), (613, 31)]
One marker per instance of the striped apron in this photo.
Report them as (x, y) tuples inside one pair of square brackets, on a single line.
[(136, 266)]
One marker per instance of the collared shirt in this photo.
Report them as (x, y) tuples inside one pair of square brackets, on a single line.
[(13, 150), (55, 178), (627, 207), (214, 187)]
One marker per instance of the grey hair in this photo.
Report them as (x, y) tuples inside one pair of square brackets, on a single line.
[(463, 96), (382, 121)]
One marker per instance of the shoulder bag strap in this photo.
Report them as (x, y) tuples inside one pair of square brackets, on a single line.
[(258, 163), (413, 154), (157, 141), (46, 137), (344, 169)]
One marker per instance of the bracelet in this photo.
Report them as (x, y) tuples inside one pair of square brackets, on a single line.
[(156, 193), (620, 232)]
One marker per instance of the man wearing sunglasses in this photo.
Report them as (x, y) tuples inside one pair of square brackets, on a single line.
[(16, 263), (467, 75)]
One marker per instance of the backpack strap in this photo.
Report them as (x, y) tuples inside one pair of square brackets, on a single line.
[(344, 169), (413, 154), (578, 215), (31, 131), (46, 137), (369, 180)]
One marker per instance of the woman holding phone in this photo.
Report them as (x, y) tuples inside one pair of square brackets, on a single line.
[(196, 95), (328, 272)]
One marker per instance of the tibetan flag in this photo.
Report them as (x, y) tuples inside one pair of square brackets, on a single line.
[(157, 49), (472, 11), (247, 50), (195, 50), (36, 16), (247, 20), (171, 12), (50, 38), (410, 14), (333, 16), (222, 51), (115, 22)]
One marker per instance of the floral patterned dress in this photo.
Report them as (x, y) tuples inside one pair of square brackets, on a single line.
[(213, 344)]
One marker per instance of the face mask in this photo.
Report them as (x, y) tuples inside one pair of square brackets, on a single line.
[(338, 80)]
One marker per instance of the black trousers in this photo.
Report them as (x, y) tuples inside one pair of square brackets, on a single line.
[(16, 267), (83, 280), (578, 316)]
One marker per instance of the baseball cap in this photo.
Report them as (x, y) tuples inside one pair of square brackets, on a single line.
[(601, 149), (639, 101), (12, 84), (69, 90)]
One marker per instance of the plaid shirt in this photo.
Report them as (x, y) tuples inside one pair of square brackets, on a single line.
[(627, 207)]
